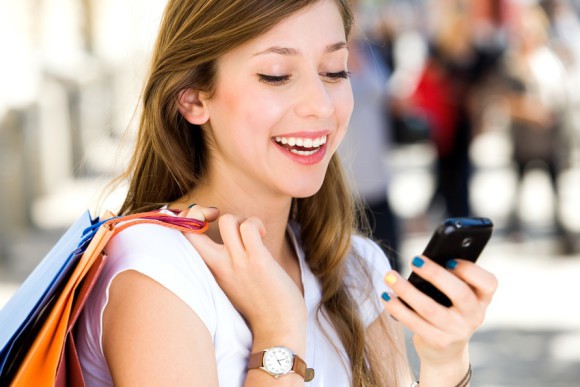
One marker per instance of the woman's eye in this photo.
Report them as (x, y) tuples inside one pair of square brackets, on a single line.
[(275, 80), (278, 80), (337, 76)]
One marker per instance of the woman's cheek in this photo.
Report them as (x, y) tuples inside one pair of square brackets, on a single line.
[(344, 102), (344, 105)]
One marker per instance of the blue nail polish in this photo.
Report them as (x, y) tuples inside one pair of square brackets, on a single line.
[(418, 262), (191, 205), (385, 296), (451, 264)]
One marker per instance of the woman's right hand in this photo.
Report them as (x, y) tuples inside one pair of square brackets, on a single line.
[(255, 283)]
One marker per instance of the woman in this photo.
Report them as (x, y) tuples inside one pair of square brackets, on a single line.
[(245, 105)]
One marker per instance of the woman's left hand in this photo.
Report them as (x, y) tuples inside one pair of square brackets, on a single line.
[(441, 334)]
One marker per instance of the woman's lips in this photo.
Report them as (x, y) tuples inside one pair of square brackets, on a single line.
[(302, 149)]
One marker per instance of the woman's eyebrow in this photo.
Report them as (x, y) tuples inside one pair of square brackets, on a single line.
[(279, 50), (287, 51), (336, 46)]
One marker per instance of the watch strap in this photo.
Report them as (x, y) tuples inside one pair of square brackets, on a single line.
[(299, 365), (302, 369), (256, 360)]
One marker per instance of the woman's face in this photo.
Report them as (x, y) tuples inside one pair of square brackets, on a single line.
[(281, 105)]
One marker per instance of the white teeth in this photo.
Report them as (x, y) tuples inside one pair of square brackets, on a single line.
[(302, 142), (304, 153)]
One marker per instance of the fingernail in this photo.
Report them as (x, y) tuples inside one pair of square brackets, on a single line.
[(451, 264), (191, 205), (385, 296), (391, 278), (418, 262), (215, 208)]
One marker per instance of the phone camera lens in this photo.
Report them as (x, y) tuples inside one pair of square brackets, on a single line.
[(466, 242)]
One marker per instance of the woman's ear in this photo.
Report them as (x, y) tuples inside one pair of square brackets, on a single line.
[(192, 106)]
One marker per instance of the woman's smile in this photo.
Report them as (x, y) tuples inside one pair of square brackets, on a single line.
[(303, 148)]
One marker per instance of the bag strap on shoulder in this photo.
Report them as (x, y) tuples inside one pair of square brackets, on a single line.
[(189, 225)]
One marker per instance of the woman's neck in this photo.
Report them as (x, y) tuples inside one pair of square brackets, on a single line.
[(272, 211)]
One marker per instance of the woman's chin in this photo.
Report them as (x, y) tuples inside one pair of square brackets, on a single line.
[(306, 190)]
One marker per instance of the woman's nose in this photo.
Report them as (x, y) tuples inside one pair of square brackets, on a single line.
[(315, 99)]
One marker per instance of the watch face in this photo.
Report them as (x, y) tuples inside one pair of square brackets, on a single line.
[(278, 360)]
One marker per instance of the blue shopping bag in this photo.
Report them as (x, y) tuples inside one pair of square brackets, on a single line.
[(26, 306)]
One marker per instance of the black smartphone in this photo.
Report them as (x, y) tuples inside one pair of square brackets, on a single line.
[(463, 238)]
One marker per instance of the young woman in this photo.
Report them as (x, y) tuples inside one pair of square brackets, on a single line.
[(244, 108)]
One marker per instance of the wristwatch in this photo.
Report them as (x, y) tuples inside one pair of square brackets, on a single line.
[(278, 361)]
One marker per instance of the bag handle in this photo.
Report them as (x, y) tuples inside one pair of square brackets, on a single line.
[(188, 225), (118, 223)]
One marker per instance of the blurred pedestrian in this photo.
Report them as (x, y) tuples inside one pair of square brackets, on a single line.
[(537, 100), (457, 63)]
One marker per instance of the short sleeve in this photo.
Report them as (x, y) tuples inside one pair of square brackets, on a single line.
[(165, 256), (168, 258), (367, 265)]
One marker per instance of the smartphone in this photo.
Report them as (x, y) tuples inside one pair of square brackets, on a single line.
[(463, 238)]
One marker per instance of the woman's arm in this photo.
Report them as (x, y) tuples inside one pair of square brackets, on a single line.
[(152, 338)]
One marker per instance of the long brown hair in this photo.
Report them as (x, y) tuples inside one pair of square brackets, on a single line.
[(171, 154)]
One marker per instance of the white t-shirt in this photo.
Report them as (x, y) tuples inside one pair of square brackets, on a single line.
[(166, 256)]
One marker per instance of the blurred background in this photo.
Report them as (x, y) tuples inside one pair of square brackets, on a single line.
[(462, 107)]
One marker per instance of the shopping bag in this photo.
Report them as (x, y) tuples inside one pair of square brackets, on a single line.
[(36, 325)]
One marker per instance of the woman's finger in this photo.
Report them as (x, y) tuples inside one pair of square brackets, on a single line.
[(481, 281), (417, 302), (212, 253), (433, 323), (459, 292), (230, 232), (405, 315), (464, 282), (252, 231), (201, 213), (468, 286)]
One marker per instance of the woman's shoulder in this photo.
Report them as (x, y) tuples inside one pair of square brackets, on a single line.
[(167, 257), (150, 240)]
